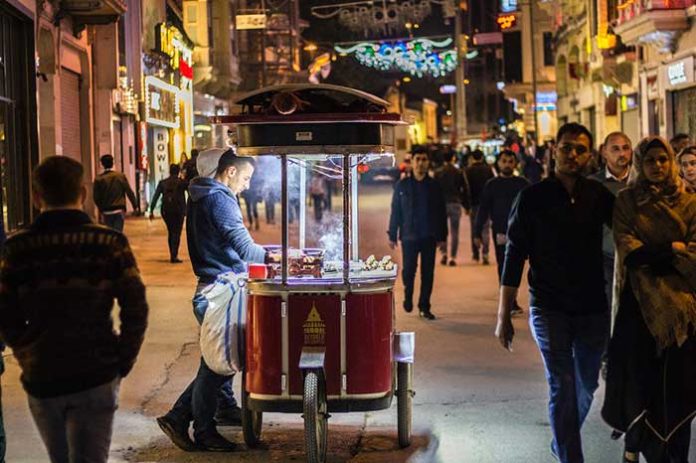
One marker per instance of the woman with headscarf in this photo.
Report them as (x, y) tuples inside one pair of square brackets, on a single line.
[(687, 165), (651, 378)]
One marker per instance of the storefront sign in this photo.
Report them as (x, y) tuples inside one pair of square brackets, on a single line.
[(508, 6), (251, 21), (507, 21), (161, 103), (172, 42), (681, 72), (160, 152)]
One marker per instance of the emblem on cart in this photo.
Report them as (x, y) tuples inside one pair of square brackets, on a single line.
[(314, 328)]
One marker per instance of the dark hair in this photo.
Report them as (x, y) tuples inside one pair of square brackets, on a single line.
[(194, 153), (419, 149), (58, 180), (679, 137), (230, 159), (107, 161), (477, 155), (574, 129), (174, 170), (507, 153)]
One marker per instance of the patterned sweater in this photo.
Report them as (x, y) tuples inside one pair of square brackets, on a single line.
[(58, 282)]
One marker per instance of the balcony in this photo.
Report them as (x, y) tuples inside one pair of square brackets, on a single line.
[(655, 22), (86, 12)]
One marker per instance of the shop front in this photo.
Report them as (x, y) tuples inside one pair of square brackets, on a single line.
[(18, 116), (679, 79)]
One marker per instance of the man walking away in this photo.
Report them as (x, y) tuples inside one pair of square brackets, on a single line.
[(617, 152), (190, 169), (419, 219), (58, 284), (110, 191), (496, 201), (477, 174), (456, 190), (218, 243), (173, 193), (557, 225)]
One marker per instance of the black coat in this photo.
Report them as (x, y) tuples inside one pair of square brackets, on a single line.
[(402, 218)]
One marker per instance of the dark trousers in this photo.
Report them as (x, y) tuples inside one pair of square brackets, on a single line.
[(485, 234), (175, 224), (318, 201), (500, 259), (252, 209), (207, 392), (571, 347), (454, 215), (411, 250), (115, 221), (270, 210)]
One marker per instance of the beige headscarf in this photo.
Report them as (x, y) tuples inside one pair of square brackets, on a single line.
[(657, 214)]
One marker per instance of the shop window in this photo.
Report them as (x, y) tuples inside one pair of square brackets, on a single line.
[(548, 48)]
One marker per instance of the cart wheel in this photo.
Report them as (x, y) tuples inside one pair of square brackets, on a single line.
[(252, 421), (315, 418), (404, 402)]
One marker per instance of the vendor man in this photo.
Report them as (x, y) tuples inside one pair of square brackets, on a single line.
[(218, 243)]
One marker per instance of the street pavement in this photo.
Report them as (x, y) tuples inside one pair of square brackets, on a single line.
[(474, 403)]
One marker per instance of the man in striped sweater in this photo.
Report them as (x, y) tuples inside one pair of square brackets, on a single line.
[(58, 282)]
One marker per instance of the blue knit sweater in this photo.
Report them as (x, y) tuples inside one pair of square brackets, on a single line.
[(218, 241)]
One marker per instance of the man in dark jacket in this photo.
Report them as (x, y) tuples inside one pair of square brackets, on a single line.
[(496, 201), (419, 219), (456, 190), (218, 243), (110, 191), (57, 289), (173, 193), (477, 174), (190, 169), (557, 225)]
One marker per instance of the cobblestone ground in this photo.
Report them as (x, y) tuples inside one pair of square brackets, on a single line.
[(475, 403)]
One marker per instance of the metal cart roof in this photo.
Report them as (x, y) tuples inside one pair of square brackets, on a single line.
[(312, 119)]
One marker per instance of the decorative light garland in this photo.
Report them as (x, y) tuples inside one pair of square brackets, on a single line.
[(418, 57)]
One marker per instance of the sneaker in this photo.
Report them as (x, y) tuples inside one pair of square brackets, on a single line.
[(175, 260), (517, 310), (214, 442), (443, 261), (229, 416), (475, 258), (177, 433), (408, 308), (428, 315), (452, 263), (485, 260)]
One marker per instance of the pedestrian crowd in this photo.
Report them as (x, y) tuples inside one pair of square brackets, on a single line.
[(609, 238)]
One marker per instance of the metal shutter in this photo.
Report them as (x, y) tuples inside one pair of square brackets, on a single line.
[(70, 114)]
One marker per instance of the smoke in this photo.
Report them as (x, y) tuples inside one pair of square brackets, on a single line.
[(330, 232)]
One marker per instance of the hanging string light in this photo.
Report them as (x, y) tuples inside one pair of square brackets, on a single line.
[(418, 57)]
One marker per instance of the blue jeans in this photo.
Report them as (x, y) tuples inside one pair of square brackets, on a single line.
[(115, 221), (196, 402), (571, 346)]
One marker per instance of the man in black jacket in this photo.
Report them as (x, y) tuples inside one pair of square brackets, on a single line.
[(496, 201), (456, 191), (477, 174), (57, 289), (173, 192), (110, 191), (419, 219), (557, 225)]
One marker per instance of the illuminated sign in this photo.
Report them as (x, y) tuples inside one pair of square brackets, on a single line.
[(507, 21), (448, 89), (172, 42), (681, 72), (161, 103), (508, 6)]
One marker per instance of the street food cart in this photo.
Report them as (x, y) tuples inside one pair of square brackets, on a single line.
[(320, 332)]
